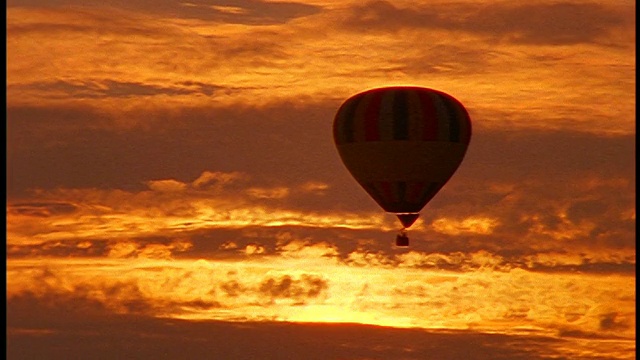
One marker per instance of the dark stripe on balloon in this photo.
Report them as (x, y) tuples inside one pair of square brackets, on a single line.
[(358, 118), (400, 116), (348, 118), (386, 116), (429, 118), (454, 119), (372, 118), (415, 116), (442, 117)]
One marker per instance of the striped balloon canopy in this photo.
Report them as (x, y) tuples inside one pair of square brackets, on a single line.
[(402, 144)]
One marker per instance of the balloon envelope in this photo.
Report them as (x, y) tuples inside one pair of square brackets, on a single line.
[(402, 144)]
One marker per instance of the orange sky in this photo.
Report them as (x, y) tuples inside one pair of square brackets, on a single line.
[(171, 164)]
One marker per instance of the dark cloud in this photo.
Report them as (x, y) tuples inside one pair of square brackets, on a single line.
[(37, 330), (604, 268), (87, 23), (610, 326), (153, 45), (232, 288), (18, 30), (610, 322), (85, 152), (115, 89), (94, 247), (42, 209), (555, 23), (260, 49), (451, 58), (579, 334), (82, 300), (66, 248), (126, 296), (587, 209), (200, 305), (373, 247), (295, 143), (250, 12), (298, 289)]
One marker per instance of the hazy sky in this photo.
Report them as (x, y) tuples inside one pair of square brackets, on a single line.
[(173, 190)]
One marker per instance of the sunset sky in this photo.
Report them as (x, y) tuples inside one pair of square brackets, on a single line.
[(174, 192)]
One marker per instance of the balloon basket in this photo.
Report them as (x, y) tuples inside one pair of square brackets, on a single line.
[(402, 240)]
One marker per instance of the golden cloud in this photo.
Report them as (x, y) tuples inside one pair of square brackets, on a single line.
[(476, 225)]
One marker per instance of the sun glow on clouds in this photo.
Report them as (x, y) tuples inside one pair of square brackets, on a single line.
[(302, 279), (477, 225), (131, 249), (309, 284), (170, 206)]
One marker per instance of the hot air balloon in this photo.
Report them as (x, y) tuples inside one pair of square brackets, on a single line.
[(402, 144)]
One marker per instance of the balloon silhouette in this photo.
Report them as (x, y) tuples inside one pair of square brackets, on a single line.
[(402, 144)]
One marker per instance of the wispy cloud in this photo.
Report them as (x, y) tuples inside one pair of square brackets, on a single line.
[(116, 89), (277, 288), (248, 12), (542, 23)]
